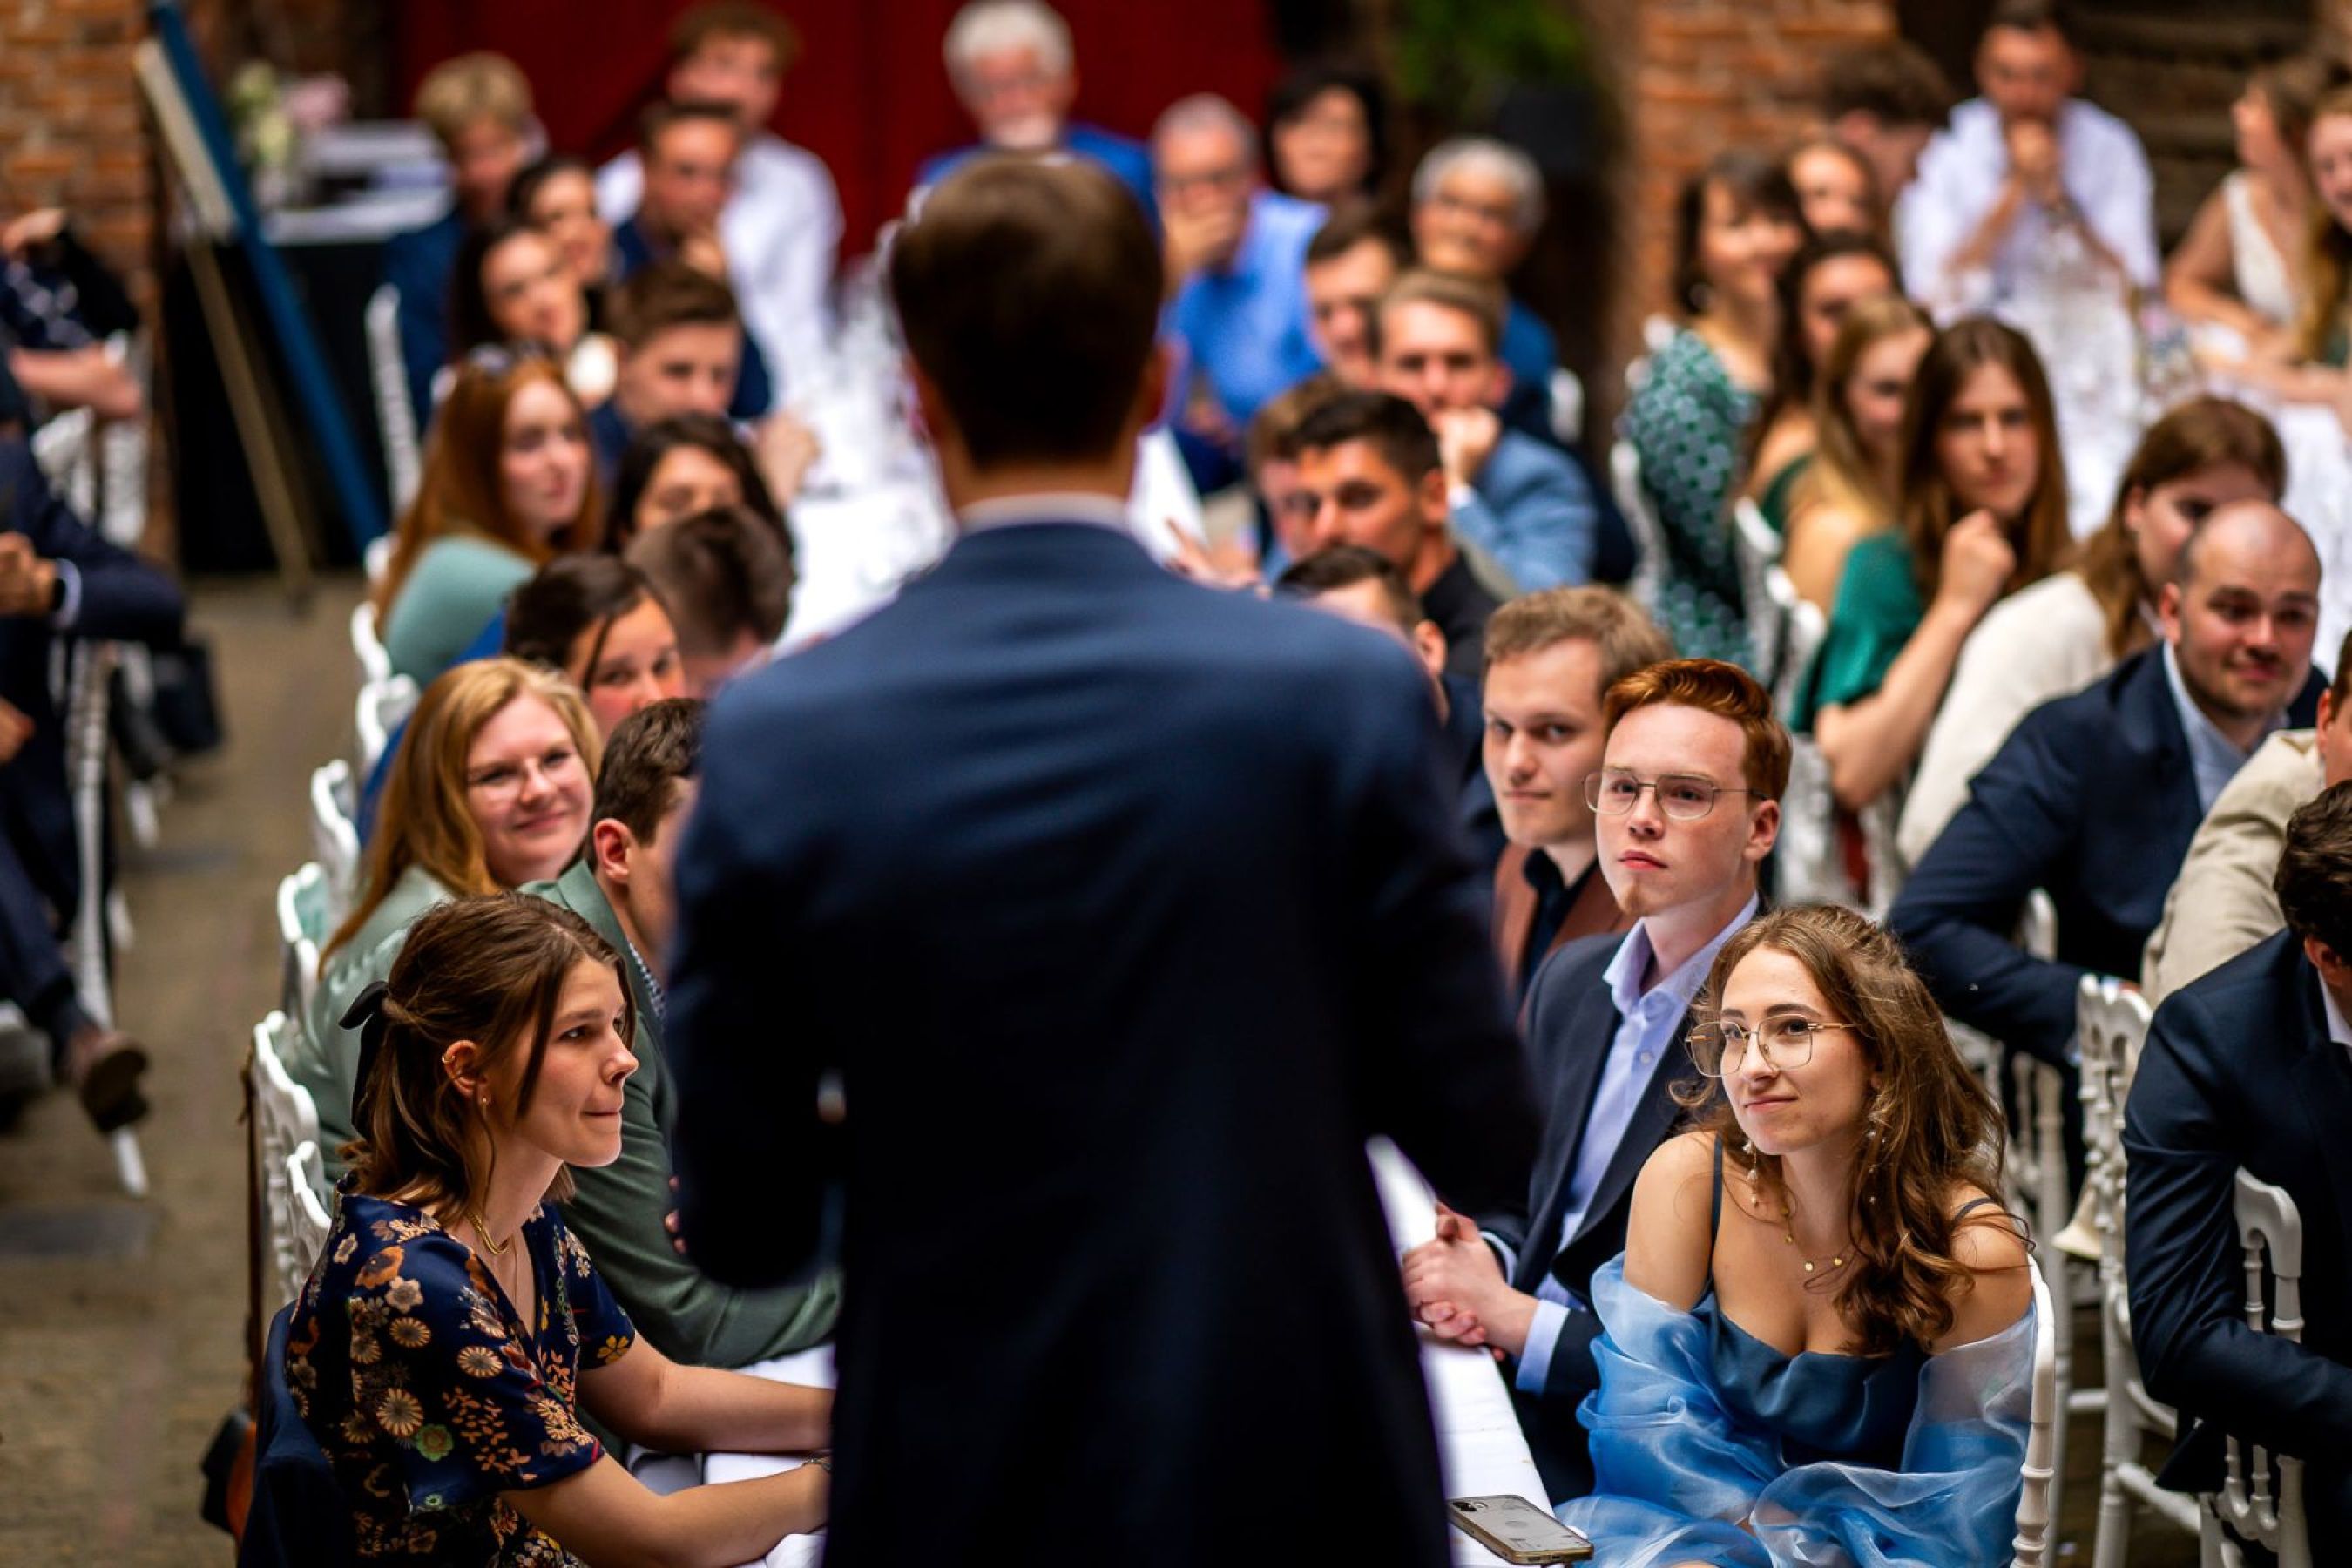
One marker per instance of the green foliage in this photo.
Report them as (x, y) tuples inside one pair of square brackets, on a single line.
[(1458, 55)]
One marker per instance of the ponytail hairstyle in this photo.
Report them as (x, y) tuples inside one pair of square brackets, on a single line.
[(488, 970)]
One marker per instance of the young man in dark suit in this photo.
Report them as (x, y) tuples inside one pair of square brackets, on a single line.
[(1688, 802), (2250, 1068), (2094, 798), (1122, 912)]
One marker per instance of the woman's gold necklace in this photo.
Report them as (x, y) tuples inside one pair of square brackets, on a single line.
[(1788, 1227)]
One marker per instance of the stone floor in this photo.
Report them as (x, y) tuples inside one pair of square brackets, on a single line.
[(122, 1337)]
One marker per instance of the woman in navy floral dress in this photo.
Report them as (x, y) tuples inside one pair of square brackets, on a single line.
[(441, 1349)]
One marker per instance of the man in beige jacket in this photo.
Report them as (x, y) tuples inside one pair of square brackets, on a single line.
[(2221, 903)]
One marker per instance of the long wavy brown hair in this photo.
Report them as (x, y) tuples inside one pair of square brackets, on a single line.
[(2038, 533), (1845, 473), (2328, 251), (1932, 1128), (426, 818), (2203, 432), (488, 970)]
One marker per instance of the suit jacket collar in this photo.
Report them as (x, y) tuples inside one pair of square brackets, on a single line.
[(2320, 1075), (1592, 910)]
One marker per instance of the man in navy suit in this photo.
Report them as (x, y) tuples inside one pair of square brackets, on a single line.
[(1122, 912), (1687, 806), (2094, 798), (1436, 339), (2251, 1067), (58, 576)]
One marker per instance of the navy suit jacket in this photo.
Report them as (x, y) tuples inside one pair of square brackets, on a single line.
[(2238, 1071), (2091, 798), (420, 264), (1571, 1021), (123, 599), (1126, 910)]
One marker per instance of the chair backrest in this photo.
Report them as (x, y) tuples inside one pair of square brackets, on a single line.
[(367, 646), (396, 416), (2032, 1547), (302, 901), (1806, 864), (2270, 1235), (1642, 520), (306, 1185), (64, 447), (334, 835), (1566, 406), (1756, 548), (2110, 1023), (284, 1119), (383, 706), (1803, 629)]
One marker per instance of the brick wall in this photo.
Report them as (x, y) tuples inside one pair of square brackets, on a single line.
[(72, 131), (1693, 77)]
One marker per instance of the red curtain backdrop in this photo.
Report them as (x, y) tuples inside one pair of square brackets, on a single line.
[(869, 96)]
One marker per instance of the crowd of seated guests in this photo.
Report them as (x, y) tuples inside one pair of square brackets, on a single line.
[(1768, 1195)]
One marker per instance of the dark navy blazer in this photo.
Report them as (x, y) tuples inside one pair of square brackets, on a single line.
[(1126, 910), (2091, 798)]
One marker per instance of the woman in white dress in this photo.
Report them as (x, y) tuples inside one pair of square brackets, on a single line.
[(2238, 266)]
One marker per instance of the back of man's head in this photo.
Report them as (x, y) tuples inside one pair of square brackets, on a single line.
[(2314, 881), (1894, 82), (1029, 295), (1626, 639), (728, 583), (1345, 566), (669, 293), (650, 752), (1713, 686), (1387, 423)]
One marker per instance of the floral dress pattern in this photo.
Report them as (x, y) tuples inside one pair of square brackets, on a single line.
[(1685, 423), (429, 1394)]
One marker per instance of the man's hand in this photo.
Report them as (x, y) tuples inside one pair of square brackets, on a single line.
[(16, 729), (2033, 160), (1199, 239), (26, 230), (703, 252), (1466, 440), (1456, 1289), (784, 449), (27, 583)]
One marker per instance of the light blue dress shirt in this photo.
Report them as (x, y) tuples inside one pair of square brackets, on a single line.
[(2212, 756), (1649, 1024), (1244, 326)]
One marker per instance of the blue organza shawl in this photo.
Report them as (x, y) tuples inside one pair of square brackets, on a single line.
[(1678, 1474)]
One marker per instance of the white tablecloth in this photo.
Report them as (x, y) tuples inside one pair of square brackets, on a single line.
[(1480, 1447)]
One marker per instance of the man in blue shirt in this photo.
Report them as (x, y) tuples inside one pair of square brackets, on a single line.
[(1237, 257), (479, 107), (1527, 504), (1687, 806), (1011, 68)]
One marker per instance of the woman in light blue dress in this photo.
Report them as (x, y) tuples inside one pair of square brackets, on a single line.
[(1819, 1343)]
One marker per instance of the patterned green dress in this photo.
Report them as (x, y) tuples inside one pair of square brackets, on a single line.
[(1684, 423)]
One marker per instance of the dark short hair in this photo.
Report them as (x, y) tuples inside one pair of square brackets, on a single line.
[(663, 113), (2031, 16), (1383, 421), (1892, 79), (650, 752), (1754, 180), (1274, 429), (528, 184), (569, 595), (2339, 689), (1341, 566), (1289, 98), (1029, 294), (1352, 225), (666, 294), (710, 433), (2314, 881), (722, 573), (734, 19)]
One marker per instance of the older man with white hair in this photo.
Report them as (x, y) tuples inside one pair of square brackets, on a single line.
[(1014, 71), (1476, 205), (1236, 255)]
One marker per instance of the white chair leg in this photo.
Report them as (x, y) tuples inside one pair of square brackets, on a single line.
[(130, 1165)]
